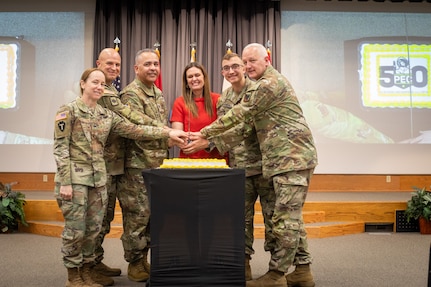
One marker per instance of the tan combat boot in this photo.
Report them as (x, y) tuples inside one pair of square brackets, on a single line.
[(103, 269), (147, 265), (270, 279), (87, 276), (248, 276), (101, 279), (74, 278), (136, 271), (301, 277)]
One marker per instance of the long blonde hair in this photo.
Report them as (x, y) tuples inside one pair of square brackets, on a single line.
[(188, 95)]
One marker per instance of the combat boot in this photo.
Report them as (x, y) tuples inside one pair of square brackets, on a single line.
[(147, 265), (87, 276), (74, 278), (136, 271), (301, 277), (248, 276), (103, 269), (101, 279), (270, 279)]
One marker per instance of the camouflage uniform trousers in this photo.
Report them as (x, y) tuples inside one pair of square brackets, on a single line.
[(257, 186), (135, 207), (111, 187), (83, 216), (288, 227)]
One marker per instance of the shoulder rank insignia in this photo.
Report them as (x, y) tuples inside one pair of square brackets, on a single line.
[(114, 101)]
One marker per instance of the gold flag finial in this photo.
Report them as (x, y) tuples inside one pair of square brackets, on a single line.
[(117, 44), (229, 46), (156, 48), (193, 52)]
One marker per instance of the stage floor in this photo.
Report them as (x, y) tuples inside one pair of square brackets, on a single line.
[(311, 197)]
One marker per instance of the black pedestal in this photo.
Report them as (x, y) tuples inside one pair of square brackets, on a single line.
[(197, 227)]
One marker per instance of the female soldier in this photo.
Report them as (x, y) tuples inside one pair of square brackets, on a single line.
[(81, 130)]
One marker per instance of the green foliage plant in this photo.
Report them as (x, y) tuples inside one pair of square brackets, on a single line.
[(419, 205), (11, 208)]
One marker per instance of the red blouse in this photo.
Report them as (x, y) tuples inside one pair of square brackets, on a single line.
[(181, 114)]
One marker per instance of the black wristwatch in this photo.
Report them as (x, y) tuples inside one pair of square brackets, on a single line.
[(210, 147)]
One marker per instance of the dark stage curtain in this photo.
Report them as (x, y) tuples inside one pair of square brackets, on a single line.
[(176, 24)]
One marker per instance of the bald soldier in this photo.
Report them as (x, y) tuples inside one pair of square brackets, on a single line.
[(109, 61)]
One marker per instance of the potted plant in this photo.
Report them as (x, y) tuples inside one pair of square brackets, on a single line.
[(11, 208), (419, 208)]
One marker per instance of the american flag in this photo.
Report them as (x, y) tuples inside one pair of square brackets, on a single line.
[(117, 83), (158, 82)]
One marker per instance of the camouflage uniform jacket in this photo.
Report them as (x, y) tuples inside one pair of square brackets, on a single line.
[(114, 148), (151, 104), (245, 155), (80, 135), (285, 140)]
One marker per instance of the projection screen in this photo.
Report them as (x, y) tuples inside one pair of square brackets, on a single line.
[(363, 80)]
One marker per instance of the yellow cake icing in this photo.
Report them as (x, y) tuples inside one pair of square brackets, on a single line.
[(194, 163)]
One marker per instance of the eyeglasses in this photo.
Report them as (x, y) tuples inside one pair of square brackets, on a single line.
[(233, 67)]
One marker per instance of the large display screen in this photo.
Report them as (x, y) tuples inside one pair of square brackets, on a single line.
[(364, 83), (17, 64), (395, 75), (391, 77), (42, 56), (8, 75)]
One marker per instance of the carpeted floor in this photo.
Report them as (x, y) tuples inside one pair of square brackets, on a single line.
[(362, 260)]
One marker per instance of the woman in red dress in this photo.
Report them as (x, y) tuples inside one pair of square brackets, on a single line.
[(196, 108)]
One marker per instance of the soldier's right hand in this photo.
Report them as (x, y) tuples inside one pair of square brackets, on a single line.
[(178, 136), (66, 192)]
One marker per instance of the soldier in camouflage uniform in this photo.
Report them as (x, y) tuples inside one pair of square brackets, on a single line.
[(109, 61), (81, 130), (288, 159), (143, 97), (247, 156)]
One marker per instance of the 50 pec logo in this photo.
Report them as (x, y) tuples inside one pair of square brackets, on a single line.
[(401, 74), (395, 75)]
